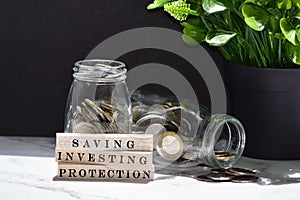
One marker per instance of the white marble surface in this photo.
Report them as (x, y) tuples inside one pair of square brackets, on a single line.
[(27, 168)]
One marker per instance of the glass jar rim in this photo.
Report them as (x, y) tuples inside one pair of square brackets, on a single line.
[(101, 63), (99, 70), (217, 121)]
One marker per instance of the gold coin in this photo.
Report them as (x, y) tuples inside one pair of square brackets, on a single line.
[(190, 155), (169, 146), (224, 156), (107, 107), (99, 111)]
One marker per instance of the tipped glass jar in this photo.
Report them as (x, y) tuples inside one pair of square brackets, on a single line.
[(183, 138), (98, 100)]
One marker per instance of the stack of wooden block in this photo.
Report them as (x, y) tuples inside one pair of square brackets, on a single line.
[(109, 157)]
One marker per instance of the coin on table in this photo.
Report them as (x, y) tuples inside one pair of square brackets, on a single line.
[(220, 176), (169, 146), (217, 170), (204, 178), (245, 179), (84, 127), (239, 171)]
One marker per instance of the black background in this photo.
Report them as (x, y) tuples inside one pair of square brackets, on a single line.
[(41, 40)]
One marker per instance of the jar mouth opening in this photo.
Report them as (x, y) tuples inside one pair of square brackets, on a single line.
[(225, 141), (99, 63), (99, 70)]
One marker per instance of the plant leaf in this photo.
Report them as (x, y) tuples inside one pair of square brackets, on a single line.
[(255, 16), (293, 52), (298, 32), (192, 29), (212, 6), (274, 18), (219, 37), (297, 2), (288, 31), (297, 16), (157, 4), (196, 34), (284, 4), (259, 2)]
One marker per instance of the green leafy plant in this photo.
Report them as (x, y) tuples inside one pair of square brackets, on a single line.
[(263, 33)]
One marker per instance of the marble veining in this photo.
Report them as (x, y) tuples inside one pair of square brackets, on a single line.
[(27, 169)]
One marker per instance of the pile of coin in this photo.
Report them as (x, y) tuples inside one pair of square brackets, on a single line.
[(90, 117), (171, 125), (235, 175)]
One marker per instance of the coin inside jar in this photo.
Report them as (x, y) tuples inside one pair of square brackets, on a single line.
[(155, 129), (84, 127), (149, 119), (224, 156), (169, 146)]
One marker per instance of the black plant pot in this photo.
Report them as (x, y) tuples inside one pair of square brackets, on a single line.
[(267, 102)]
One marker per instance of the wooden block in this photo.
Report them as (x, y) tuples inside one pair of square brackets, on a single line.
[(119, 142), (126, 158), (105, 172)]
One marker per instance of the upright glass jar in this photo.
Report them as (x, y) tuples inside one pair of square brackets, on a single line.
[(98, 100), (185, 139)]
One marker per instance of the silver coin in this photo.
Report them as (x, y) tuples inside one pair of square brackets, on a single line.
[(219, 176), (169, 146), (84, 127), (155, 129), (217, 171), (144, 122), (85, 110), (100, 127), (139, 111), (204, 178), (245, 179), (239, 171), (110, 128), (102, 116), (190, 155)]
